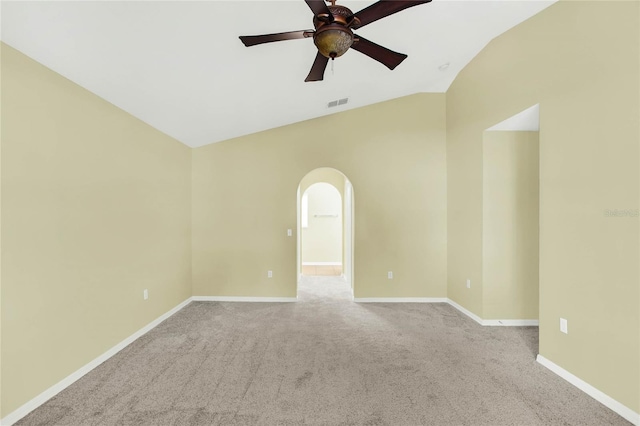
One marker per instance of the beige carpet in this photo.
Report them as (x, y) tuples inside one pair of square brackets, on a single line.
[(324, 360)]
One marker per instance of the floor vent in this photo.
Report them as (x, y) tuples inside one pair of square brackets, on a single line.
[(339, 102)]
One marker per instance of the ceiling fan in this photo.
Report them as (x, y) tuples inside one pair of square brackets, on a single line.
[(333, 34)]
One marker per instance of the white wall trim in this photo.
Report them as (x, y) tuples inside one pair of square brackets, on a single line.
[(400, 299), (321, 263), (242, 299), (495, 322), (31, 405), (511, 323), (466, 312), (624, 411)]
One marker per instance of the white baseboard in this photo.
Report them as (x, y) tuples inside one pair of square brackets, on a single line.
[(511, 323), (624, 411), (400, 300), (31, 405), (242, 299), (321, 263), (466, 312), (495, 322), (476, 318)]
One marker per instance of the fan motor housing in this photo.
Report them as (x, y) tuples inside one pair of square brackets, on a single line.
[(341, 15)]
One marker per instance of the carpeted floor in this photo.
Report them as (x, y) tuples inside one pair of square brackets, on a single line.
[(324, 360)]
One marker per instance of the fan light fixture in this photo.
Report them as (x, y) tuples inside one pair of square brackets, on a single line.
[(333, 40)]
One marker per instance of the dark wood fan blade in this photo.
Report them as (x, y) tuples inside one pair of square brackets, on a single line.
[(319, 7), (268, 38), (317, 69), (381, 54), (382, 9)]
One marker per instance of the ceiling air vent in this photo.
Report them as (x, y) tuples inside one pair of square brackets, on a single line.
[(339, 102)]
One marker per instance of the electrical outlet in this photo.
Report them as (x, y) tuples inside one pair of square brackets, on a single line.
[(269, 274), (145, 294), (468, 283), (564, 326), (289, 233), (390, 275)]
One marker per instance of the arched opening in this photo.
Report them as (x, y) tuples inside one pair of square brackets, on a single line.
[(325, 231)]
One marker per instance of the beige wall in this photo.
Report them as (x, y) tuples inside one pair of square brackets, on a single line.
[(244, 199), (322, 238), (583, 70), (323, 174), (510, 225), (347, 232), (95, 208)]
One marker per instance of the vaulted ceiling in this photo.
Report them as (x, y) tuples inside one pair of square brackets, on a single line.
[(180, 67)]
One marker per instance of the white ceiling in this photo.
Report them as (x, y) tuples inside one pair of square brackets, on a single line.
[(180, 67)]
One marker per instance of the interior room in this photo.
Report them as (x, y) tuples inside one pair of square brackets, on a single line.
[(160, 178)]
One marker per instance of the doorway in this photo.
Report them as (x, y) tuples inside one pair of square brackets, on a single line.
[(511, 218), (325, 231)]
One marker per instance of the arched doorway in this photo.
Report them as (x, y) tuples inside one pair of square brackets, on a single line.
[(325, 212)]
